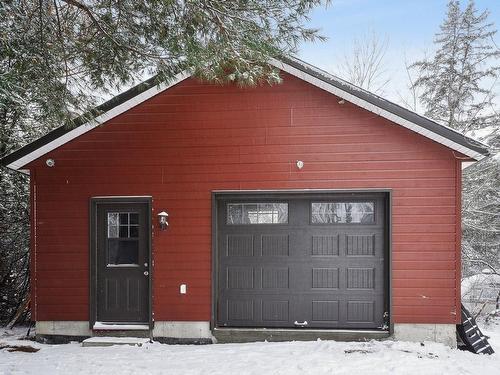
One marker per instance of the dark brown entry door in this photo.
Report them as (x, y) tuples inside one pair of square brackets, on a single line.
[(122, 263), (310, 261)]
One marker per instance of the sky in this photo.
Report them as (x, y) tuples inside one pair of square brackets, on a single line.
[(407, 25)]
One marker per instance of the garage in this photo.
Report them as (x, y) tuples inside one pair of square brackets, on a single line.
[(309, 209), (302, 260)]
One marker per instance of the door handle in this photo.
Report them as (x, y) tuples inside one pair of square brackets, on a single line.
[(146, 273), (300, 324)]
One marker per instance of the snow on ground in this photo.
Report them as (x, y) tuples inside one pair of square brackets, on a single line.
[(318, 357)]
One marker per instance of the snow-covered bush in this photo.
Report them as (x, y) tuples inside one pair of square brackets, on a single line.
[(481, 293)]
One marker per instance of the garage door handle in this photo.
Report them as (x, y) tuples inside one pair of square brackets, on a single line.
[(300, 324)]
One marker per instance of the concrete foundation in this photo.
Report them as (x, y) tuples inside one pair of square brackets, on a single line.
[(61, 332), (63, 328), (183, 331), (239, 335), (200, 333), (58, 332), (442, 333)]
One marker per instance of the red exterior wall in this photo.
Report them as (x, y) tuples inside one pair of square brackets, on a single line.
[(195, 138)]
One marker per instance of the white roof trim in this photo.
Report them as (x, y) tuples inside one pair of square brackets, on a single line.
[(375, 109), (138, 99), (467, 164), (82, 129), (121, 196)]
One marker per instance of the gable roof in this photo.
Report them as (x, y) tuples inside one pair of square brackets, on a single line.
[(298, 68)]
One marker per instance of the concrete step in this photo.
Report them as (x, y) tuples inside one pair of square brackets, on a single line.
[(120, 330), (109, 341), (117, 333), (120, 326)]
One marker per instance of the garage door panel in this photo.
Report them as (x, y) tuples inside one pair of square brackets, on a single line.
[(250, 311), (365, 243), (275, 278), (319, 275), (326, 245), (360, 278), (361, 312), (275, 311), (240, 310), (360, 245), (325, 278), (240, 278), (325, 311), (275, 245), (239, 245)]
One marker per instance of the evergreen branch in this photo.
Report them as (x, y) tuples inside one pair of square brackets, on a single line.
[(97, 23)]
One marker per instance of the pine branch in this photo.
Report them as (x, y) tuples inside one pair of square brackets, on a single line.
[(103, 30)]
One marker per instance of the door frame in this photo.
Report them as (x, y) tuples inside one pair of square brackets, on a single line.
[(218, 195), (93, 205)]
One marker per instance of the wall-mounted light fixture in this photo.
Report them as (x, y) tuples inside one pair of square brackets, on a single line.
[(50, 162), (341, 101), (163, 220), (300, 164)]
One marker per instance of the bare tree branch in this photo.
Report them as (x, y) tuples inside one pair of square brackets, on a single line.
[(365, 64)]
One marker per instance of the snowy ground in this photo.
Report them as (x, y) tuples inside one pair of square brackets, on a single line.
[(319, 357)]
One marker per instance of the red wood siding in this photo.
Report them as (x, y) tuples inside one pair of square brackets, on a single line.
[(195, 138)]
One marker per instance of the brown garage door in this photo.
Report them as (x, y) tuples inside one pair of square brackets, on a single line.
[(314, 261)]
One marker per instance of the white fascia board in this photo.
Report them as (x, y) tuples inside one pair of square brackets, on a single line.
[(467, 164), (375, 109), (121, 196), (82, 129)]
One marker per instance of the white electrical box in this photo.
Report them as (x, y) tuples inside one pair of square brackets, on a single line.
[(183, 289)]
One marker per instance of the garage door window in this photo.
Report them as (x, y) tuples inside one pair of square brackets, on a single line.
[(257, 213), (342, 213)]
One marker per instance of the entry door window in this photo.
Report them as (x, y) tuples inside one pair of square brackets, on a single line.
[(123, 239)]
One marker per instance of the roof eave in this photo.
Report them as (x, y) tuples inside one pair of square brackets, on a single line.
[(315, 76), (112, 108), (323, 80)]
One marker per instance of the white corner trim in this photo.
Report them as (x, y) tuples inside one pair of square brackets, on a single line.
[(82, 129), (375, 109)]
